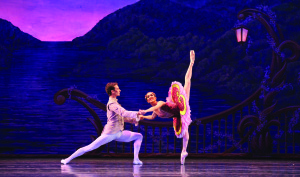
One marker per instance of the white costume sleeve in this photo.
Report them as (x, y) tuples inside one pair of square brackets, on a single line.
[(132, 120), (129, 116)]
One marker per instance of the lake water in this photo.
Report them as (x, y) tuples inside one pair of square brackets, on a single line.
[(31, 123)]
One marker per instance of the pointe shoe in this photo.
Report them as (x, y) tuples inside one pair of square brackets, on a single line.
[(63, 161), (183, 156), (192, 56), (137, 162)]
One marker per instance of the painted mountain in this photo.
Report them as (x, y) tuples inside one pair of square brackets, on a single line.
[(11, 39), (152, 39)]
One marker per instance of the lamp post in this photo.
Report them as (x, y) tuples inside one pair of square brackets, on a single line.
[(261, 141), (280, 44)]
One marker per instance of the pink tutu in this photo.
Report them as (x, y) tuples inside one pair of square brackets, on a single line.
[(177, 99)]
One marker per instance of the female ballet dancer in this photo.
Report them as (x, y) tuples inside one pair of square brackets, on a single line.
[(176, 106)]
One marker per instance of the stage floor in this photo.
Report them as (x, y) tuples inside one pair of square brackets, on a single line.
[(152, 167)]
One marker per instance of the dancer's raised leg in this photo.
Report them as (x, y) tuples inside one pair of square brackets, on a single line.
[(188, 75), (128, 136), (103, 139), (187, 88), (185, 140)]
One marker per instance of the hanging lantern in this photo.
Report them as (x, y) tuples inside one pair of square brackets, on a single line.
[(241, 34)]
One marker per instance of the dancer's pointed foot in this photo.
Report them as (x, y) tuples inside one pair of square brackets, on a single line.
[(192, 56), (183, 156), (63, 161), (137, 162)]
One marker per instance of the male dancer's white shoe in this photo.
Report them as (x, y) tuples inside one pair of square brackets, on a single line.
[(63, 161)]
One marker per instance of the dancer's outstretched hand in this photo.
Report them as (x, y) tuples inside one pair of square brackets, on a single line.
[(141, 117), (192, 56), (142, 112)]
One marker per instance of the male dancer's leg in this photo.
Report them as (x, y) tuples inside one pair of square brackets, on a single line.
[(128, 136), (103, 139)]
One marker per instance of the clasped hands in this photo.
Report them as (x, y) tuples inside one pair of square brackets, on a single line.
[(140, 114)]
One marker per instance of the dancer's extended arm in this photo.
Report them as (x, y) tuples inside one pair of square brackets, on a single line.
[(149, 117), (130, 120), (118, 109), (153, 108)]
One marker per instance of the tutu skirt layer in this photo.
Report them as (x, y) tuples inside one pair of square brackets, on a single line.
[(177, 99)]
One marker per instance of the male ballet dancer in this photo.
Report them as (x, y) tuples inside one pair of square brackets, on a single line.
[(114, 129)]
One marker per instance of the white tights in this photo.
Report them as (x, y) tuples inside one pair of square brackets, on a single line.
[(121, 136)]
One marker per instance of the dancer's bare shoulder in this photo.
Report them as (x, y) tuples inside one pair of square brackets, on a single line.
[(158, 105), (161, 103)]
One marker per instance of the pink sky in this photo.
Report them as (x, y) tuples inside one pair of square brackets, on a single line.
[(58, 20)]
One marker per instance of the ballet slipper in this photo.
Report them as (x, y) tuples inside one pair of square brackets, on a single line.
[(63, 161), (192, 56), (137, 162), (183, 156)]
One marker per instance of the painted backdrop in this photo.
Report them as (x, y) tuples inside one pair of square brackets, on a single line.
[(143, 46)]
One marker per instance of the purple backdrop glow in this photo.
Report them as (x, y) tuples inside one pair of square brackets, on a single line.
[(64, 20)]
